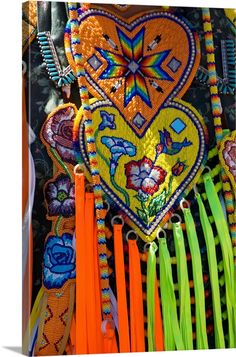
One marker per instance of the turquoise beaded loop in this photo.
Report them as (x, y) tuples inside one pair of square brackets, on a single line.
[(60, 77)]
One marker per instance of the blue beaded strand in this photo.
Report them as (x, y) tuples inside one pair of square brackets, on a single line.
[(55, 72)]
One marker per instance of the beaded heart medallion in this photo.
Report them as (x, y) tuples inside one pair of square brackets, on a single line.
[(150, 145), (146, 177), (139, 66)]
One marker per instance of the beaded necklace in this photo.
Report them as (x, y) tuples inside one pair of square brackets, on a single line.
[(56, 74)]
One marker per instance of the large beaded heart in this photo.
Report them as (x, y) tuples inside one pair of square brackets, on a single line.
[(139, 65), (146, 177)]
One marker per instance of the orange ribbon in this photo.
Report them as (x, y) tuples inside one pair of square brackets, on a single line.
[(81, 263), (136, 299), (124, 341)]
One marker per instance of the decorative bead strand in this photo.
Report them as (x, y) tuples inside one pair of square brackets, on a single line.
[(89, 133), (55, 72), (216, 112)]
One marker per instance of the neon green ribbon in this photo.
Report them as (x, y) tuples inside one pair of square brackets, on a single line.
[(151, 280), (212, 262), (172, 335), (201, 333), (227, 254), (183, 285)]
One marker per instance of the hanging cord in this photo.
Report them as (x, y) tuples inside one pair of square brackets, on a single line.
[(124, 339), (212, 262), (216, 112), (201, 332), (227, 253), (105, 329), (91, 149), (81, 285), (155, 326), (151, 281), (92, 332), (88, 325), (172, 334), (97, 295), (136, 296), (185, 320), (159, 338)]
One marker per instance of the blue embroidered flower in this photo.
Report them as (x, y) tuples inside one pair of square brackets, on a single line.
[(59, 261), (108, 121), (118, 147)]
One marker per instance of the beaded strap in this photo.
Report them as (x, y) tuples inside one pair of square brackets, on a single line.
[(91, 148), (216, 112)]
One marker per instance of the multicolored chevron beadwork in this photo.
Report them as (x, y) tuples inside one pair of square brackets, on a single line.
[(89, 133)]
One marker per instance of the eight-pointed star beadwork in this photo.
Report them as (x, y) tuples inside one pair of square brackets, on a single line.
[(133, 66)]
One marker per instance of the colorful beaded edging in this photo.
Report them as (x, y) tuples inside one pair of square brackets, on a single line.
[(98, 194)]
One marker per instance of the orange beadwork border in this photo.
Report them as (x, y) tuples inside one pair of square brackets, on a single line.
[(59, 301), (52, 325)]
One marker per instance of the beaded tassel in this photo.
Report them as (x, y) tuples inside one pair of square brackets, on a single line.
[(217, 111), (89, 132)]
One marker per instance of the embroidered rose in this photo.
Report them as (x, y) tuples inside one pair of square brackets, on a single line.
[(178, 168), (57, 132), (58, 261), (60, 197), (143, 175)]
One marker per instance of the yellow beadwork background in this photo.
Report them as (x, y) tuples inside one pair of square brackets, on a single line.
[(146, 147)]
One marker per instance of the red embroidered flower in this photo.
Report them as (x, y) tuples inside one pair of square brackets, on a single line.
[(143, 175)]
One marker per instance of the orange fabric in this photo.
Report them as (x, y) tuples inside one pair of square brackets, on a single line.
[(27, 291), (97, 294), (54, 328), (27, 283), (124, 341), (159, 338), (136, 300), (81, 264), (106, 343), (72, 334), (25, 148), (109, 340), (30, 258), (92, 333)]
